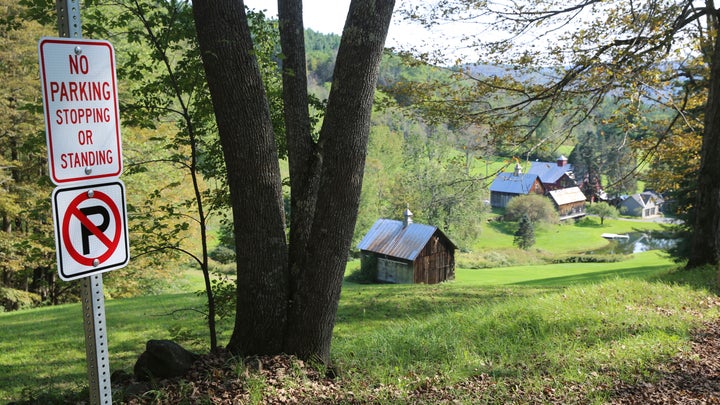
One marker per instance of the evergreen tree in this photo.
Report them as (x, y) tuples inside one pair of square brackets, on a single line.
[(525, 235)]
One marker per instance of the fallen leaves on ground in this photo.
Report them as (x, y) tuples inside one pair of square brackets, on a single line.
[(692, 377)]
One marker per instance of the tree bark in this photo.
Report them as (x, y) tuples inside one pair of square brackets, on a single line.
[(705, 246), (303, 154), (246, 135), (318, 266)]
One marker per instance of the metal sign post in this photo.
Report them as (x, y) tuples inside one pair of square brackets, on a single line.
[(96, 350), (93, 301), (68, 12)]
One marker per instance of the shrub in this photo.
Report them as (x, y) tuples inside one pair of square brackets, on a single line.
[(12, 299), (602, 210), (590, 259), (499, 258), (536, 207), (367, 273), (223, 254)]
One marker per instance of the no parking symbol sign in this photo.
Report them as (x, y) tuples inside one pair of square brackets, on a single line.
[(90, 229)]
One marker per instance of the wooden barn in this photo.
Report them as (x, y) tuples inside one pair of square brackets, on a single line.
[(508, 185), (554, 176), (569, 202), (404, 252)]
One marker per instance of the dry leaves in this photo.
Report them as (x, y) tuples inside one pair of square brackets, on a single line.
[(692, 377)]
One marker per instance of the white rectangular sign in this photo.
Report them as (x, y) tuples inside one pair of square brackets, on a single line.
[(90, 229), (81, 109)]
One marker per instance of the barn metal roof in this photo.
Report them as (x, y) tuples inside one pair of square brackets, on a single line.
[(567, 195), (389, 237), (511, 183), (550, 172)]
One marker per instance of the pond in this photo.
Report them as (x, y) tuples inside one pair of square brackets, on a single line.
[(635, 242)]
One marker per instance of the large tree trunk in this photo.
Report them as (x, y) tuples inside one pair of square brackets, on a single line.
[(318, 264), (705, 246), (287, 298), (246, 135)]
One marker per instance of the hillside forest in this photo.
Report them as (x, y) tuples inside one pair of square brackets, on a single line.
[(420, 156)]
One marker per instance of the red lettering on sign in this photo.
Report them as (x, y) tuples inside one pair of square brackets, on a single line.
[(80, 91), (86, 159), (79, 63), (82, 115)]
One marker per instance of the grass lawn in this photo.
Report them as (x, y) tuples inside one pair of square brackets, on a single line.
[(43, 350), (529, 325), (566, 274), (570, 237), (552, 325)]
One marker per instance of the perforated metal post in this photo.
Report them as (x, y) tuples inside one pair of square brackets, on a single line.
[(96, 349), (93, 300), (68, 13)]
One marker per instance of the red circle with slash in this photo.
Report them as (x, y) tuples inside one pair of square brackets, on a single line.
[(73, 211)]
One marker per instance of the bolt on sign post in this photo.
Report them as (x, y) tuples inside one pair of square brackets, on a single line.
[(85, 159)]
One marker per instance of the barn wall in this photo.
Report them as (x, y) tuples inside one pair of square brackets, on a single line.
[(572, 210), (500, 200), (537, 188), (392, 271), (563, 182), (435, 264)]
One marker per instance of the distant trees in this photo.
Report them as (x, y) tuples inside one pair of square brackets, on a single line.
[(537, 209), (629, 53), (602, 210), (605, 154), (27, 254), (415, 165)]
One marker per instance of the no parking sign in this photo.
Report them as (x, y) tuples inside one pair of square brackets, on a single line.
[(90, 229), (82, 119)]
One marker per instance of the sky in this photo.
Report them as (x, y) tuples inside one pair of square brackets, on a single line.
[(328, 16), (325, 16)]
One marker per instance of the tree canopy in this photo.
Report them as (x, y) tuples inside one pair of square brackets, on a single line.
[(27, 257), (602, 210), (574, 57)]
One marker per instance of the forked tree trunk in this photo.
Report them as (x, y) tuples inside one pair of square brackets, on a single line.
[(246, 135), (326, 178), (288, 297)]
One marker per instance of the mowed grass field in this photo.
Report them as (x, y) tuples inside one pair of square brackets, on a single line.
[(567, 321)]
